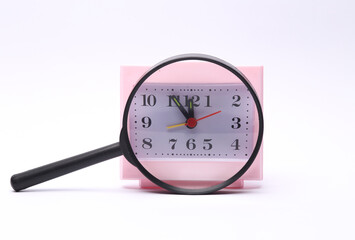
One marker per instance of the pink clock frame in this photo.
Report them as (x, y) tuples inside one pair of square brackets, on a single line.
[(129, 76)]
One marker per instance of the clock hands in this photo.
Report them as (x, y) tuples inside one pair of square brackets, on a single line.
[(177, 125), (190, 119), (208, 115), (191, 122), (181, 108)]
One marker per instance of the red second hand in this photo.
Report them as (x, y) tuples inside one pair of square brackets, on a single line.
[(208, 116), (192, 122)]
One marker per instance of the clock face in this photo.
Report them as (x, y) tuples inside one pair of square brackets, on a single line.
[(175, 122)]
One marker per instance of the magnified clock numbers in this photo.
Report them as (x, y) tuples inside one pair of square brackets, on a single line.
[(197, 100), (224, 136), (190, 144)]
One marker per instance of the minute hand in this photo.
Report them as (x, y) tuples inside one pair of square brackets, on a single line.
[(181, 108)]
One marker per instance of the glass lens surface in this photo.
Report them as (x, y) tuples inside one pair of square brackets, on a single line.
[(193, 124)]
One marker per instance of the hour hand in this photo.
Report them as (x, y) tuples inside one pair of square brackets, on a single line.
[(181, 108)]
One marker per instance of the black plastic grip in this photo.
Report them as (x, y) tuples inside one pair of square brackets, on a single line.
[(53, 170)]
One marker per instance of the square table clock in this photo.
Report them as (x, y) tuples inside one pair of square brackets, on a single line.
[(216, 146), (191, 124)]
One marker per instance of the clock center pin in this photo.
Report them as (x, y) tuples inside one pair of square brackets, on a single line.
[(191, 122)]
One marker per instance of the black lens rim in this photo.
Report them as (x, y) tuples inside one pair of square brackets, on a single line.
[(126, 146)]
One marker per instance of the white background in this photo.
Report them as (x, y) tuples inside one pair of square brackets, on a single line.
[(59, 96)]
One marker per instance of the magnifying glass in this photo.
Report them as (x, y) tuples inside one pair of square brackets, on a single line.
[(193, 124)]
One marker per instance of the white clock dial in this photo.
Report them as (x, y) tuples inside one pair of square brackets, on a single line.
[(225, 133)]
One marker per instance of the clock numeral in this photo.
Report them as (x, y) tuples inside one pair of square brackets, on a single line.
[(171, 100), (208, 101), (149, 100), (236, 123), (195, 100), (237, 99), (235, 144), (147, 122), (208, 145), (147, 143), (190, 144), (174, 142)]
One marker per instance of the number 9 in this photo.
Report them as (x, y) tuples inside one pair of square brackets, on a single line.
[(147, 122)]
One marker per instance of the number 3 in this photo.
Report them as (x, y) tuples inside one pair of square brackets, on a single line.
[(236, 123)]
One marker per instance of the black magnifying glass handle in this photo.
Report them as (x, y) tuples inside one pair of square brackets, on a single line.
[(53, 170)]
